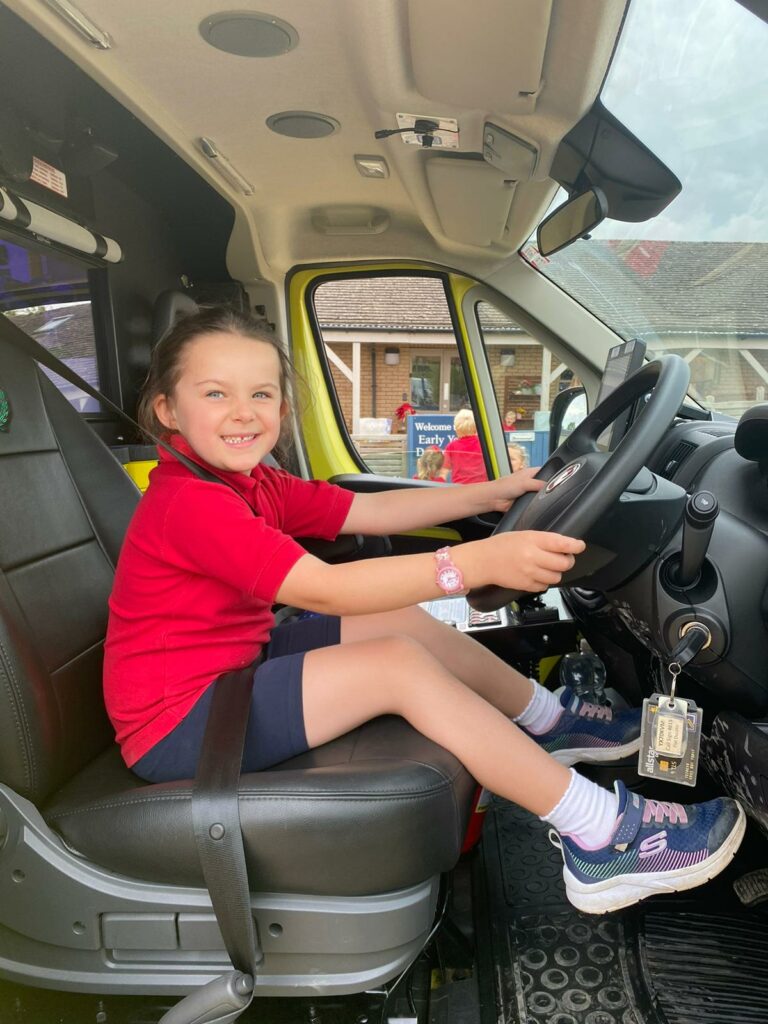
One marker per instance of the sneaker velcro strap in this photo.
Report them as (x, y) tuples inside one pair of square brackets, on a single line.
[(630, 822)]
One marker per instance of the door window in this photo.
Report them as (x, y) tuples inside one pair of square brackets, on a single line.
[(48, 297), (393, 360), (526, 377)]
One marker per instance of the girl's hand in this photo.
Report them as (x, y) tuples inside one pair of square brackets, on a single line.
[(507, 488), (529, 559)]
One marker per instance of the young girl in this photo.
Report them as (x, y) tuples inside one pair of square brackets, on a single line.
[(463, 455), (202, 565), (430, 465), (518, 458)]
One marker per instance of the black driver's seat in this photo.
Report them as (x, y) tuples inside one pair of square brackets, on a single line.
[(100, 886)]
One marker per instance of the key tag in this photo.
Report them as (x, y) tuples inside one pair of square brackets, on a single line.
[(670, 736)]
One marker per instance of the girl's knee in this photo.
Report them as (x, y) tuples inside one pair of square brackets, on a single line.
[(402, 660), (402, 649)]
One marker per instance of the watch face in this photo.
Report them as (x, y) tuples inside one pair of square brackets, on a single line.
[(449, 580)]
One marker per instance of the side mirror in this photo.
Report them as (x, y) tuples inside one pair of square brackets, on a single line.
[(569, 408), (576, 217)]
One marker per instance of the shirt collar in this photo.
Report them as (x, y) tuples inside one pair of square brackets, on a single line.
[(243, 483)]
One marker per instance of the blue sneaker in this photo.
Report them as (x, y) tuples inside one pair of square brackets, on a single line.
[(590, 733), (657, 847)]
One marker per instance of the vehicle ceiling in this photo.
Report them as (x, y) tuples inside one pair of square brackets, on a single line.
[(533, 67)]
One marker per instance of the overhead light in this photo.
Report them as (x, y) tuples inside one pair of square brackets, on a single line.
[(392, 356), (249, 34), (225, 168), (78, 21), (302, 124), (371, 166)]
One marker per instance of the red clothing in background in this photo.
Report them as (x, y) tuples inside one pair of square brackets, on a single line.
[(464, 458)]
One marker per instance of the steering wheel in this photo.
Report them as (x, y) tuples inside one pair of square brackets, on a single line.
[(583, 482)]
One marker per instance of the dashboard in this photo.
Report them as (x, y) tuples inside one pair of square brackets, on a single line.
[(730, 595)]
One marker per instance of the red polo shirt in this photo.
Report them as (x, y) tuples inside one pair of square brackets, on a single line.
[(464, 458), (195, 582)]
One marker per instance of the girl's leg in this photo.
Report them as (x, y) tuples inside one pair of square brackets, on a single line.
[(572, 733), (347, 685), (465, 658), (610, 844)]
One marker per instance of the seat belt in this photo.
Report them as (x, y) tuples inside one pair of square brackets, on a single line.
[(215, 798), (19, 339)]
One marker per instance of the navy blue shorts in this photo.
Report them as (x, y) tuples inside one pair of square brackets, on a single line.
[(275, 730)]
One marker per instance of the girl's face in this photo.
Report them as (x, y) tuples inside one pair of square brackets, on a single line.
[(227, 402)]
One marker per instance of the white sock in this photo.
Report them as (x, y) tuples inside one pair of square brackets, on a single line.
[(586, 812), (541, 712)]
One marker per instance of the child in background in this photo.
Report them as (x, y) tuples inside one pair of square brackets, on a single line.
[(430, 465), (518, 459), (463, 455), (202, 565), (510, 420)]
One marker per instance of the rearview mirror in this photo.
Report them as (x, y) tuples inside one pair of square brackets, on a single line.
[(576, 217)]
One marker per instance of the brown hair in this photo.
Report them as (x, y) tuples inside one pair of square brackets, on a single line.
[(165, 364)]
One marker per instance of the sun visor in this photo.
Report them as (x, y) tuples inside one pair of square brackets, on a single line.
[(486, 55), (472, 199)]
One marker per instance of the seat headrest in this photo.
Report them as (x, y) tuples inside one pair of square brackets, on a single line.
[(170, 306)]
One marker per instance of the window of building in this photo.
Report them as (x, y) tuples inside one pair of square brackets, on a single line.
[(48, 296)]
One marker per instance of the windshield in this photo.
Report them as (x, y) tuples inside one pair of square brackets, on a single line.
[(690, 80)]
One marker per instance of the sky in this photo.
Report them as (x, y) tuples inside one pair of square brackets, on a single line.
[(690, 80)]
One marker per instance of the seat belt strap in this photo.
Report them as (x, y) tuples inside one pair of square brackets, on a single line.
[(19, 339), (216, 817)]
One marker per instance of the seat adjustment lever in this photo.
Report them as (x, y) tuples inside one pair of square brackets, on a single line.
[(221, 1001)]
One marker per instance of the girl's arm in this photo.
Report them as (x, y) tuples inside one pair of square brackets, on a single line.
[(523, 560), (415, 507)]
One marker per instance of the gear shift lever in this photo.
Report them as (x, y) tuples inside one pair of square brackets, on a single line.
[(701, 511)]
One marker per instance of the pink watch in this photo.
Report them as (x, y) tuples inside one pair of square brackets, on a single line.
[(447, 574)]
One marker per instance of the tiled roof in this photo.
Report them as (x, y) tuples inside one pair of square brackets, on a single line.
[(671, 287), (667, 287), (384, 303), (67, 332)]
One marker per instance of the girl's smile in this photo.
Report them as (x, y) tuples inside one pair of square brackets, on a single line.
[(227, 402)]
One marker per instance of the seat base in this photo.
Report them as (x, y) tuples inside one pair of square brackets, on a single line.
[(377, 810), (68, 924)]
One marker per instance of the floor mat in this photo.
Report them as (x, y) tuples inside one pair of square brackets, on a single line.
[(695, 959), (706, 968)]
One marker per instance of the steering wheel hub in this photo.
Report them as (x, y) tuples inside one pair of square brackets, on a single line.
[(584, 483), (562, 476)]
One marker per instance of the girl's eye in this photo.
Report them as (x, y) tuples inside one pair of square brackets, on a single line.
[(262, 394), (213, 394)]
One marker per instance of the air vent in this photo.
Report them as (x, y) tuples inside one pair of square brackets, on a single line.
[(676, 458)]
